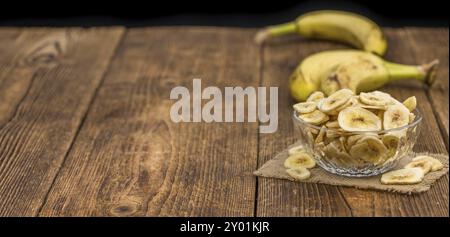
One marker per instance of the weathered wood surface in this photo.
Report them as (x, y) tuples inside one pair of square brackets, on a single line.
[(48, 78), (85, 127), (139, 161)]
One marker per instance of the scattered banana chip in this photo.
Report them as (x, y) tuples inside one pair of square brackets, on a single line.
[(435, 163), (425, 165), (314, 118), (358, 119), (299, 160), (305, 107), (299, 173), (295, 149), (376, 98), (316, 96), (403, 176), (410, 103)]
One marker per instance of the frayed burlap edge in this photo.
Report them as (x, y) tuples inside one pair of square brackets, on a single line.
[(274, 169)]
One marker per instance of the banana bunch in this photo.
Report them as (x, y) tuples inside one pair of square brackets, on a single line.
[(355, 30), (358, 70)]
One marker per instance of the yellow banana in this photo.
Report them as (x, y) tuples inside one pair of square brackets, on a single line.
[(356, 70), (346, 27)]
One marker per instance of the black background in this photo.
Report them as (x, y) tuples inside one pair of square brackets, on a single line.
[(240, 13), (136, 226)]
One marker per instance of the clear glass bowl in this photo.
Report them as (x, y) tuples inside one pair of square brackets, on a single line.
[(357, 154)]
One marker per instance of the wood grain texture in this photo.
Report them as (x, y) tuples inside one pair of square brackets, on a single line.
[(430, 44), (130, 159), (284, 198), (47, 80), (84, 135), (435, 202)]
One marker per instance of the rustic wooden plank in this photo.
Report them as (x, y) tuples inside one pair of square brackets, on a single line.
[(429, 44), (12, 88), (47, 79), (130, 159), (435, 201), (283, 198), (280, 197)]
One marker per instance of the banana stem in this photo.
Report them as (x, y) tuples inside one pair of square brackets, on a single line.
[(274, 31), (424, 73), (283, 29)]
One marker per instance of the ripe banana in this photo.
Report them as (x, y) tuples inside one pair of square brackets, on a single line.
[(356, 70), (346, 27)]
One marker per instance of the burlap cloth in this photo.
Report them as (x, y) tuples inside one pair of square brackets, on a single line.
[(274, 168)]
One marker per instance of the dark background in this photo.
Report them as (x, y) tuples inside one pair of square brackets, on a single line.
[(134, 13)]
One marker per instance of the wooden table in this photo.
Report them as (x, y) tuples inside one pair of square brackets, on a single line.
[(85, 127)]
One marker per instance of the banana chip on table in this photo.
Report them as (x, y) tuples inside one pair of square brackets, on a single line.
[(424, 165), (403, 176), (299, 173), (413, 172), (435, 163), (299, 160), (295, 149), (298, 163)]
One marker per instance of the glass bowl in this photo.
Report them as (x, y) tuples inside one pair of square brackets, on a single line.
[(357, 154)]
